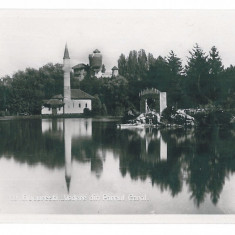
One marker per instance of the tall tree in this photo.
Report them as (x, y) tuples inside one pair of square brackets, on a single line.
[(216, 69), (174, 63), (103, 69), (197, 72), (132, 66), (175, 90), (142, 64), (159, 75), (151, 60), (122, 65)]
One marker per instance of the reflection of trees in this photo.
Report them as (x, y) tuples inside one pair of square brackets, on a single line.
[(203, 158), (206, 157), (93, 150), (23, 140), (208, 165), (165, 174)]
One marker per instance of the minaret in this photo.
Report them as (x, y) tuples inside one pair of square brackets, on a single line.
[(66, 68)]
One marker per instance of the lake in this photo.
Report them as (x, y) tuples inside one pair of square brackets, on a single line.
[(88, 166)]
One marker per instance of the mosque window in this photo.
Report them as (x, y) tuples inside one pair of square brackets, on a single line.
[(79, 105), (86, 105)]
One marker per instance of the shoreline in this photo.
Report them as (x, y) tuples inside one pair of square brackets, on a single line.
[(8, 118)]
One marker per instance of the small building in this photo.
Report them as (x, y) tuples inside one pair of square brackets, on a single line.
[(114, 71), (80, 71), (79, 101), (53, 106)]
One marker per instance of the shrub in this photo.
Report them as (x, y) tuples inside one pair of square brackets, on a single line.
[(87, 111)]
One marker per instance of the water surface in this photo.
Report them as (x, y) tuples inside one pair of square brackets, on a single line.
[(88, 166)]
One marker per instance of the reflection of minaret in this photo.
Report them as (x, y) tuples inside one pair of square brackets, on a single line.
[(68, 160), (74, 129), (163, 149)]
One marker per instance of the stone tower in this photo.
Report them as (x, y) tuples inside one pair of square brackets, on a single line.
[(114, 71), (66, 68)]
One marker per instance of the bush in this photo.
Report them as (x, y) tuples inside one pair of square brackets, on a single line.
[(167, 114), (217, 117), (87, 111), (104, 110)]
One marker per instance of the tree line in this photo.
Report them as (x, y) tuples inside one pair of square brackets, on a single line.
[(202, 81)]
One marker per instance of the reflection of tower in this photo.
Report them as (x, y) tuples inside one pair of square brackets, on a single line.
[(74, 128), (163, 149), (68, 157), (153, 147), (72, 131)]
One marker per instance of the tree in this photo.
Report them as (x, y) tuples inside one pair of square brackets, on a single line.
[(159, 75), (151, 60), (197, 72), (103, 69), (175, 64), (227, 85), (52, 79), (132, 66), (216, 68), (175, 91), (122, 65), (115, 95), (96, 105), (142, 64)]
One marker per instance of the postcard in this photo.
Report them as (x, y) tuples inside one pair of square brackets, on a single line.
[(125, 115)]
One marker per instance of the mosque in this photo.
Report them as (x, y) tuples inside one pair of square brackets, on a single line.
[(75, 101)]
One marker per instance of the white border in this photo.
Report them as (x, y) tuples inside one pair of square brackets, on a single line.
[(118, 4), (118, 219), (202, 219)]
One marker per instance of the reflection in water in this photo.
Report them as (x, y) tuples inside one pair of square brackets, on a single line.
[(201, 160), (71, 129), (153, 147)]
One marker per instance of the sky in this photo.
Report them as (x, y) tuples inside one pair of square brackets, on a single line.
[(32, 38)]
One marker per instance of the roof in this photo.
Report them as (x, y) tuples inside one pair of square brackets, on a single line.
[(114, 68), (79, 66), (96, 51), (60, 97), (53, 103), (79, 94), (66, 52)]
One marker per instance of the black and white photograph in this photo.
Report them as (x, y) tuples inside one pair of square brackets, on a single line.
[(117, 112)]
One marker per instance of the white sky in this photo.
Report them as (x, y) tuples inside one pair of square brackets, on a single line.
[(32, 38)]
